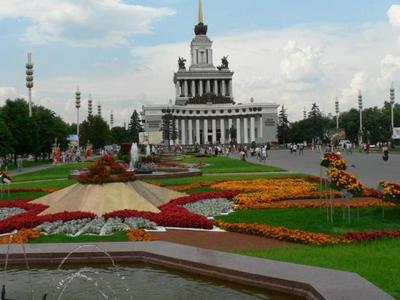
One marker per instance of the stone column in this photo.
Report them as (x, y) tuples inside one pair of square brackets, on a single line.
[(190, 128), (177, 130), (208, 86), (205, 131), (193, 88), (216, 87), (214, 131), (222, 127), (198, 141), (230, 88), (178, 93), (238, 137), (183, 130), (252, 130), (229, 127), (245, 130), (201, 88), (260, 129), (223, 88), (185, 88)]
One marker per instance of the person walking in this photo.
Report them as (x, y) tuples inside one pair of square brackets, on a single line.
[(19, 164), (294, 149), (385, 151), (301, 149)]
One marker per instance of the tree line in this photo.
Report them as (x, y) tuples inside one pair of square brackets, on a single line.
[(22, 135), (316, 127)]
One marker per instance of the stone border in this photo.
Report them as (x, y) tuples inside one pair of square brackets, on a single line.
[(303, 281)]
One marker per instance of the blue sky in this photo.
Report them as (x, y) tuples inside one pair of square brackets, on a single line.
[(100, 44)]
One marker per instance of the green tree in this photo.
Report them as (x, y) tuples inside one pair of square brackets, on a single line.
[(135, 126), (315, 128), (283, 126), (95, 130), (6, 139), (23, 129), (120, 135)]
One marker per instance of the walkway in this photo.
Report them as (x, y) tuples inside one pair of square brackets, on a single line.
[(30, 169), (369, 168)]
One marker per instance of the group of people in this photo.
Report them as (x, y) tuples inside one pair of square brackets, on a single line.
[(297, 148)]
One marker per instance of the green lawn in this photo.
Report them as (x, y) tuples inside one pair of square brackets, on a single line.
[(63, 238), (378, 261), (50, 183), (22, 196), (222, 164), (55, 172), (314, 219), (29, 164)]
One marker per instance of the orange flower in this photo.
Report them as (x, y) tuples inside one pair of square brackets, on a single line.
[(21, 237), (138, 235)]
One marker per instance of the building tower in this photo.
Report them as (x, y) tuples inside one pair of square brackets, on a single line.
[(392, 100), (90, 106), (202, 79), (29, 81), (111, 120), (99, 110)]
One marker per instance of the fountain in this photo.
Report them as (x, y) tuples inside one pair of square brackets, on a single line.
[(134, 156)]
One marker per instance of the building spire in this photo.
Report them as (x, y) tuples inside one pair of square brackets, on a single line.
[(201, 20)]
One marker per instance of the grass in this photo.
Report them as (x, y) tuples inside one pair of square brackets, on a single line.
[(63, 238), (56, 184), (376, 261), (29, 164), (19, 196), (314, 219), (55, 172), (222, 164)]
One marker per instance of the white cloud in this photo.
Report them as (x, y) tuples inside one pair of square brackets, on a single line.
[(85, 23), (390, 70), (7, 92), (300, 67), (350, 93)]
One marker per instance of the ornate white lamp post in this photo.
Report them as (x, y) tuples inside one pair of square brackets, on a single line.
[(360, 107), (77, 105), (337, 113), (392, 99), (29, 80), (90, 106), (111, 120), (304, 113)]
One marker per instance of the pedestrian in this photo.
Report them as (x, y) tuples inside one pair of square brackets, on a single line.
[(385, 151), (294, 149), (19, 164), (301, 149), (242, 155)]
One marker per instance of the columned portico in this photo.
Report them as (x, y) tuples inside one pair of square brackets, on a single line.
[(198, 141), (190, 128), (238, 137), (183, 132), (214, 131), (201, 88), (245, 130), (260, 128), (229, 127), (252, 130), (177, 129), (205, 132), (222, 127)]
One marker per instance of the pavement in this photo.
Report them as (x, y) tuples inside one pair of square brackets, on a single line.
[(369, 168), (29, 170)]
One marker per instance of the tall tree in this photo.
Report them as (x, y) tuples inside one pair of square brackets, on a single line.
[(315, 128), (96, 131), (6, 139), (120, 135), (135, 126), (283, 126)]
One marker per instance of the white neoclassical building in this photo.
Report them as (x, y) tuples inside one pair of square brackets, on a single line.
[(205, 111)]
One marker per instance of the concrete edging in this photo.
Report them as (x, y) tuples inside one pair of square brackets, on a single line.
[(304, 281)]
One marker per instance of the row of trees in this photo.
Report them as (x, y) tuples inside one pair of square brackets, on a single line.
[(20, 134), (376, 125)]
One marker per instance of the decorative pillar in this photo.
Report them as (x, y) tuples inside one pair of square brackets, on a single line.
[(177, 130), (223, 88), (252, 130), (245, 130), (193, 88), (230, 88), (208, 86), (205, 131), (198, 141), (190, 127), (260, 129), (238, 137), (183, 132), (216, 87), (229, 127), (222, 127), (201, 88), (214, 131), (178, 93), (185, 88)]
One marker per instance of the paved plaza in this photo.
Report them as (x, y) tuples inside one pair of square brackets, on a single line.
[(369, 168)]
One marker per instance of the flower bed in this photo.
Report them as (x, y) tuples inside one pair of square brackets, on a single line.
[(211, 207), (343, 180), (21, 237), (105, 170), (372, 235), (391, 190), (31, 190), (283, 233), (138, 235), (333, 160)]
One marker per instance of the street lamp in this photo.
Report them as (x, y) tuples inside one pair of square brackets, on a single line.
[(111, 120), (392, 98), (29, 80), (90, 106), (304, 113), (360, 107), (77, 105), (337, 113)]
